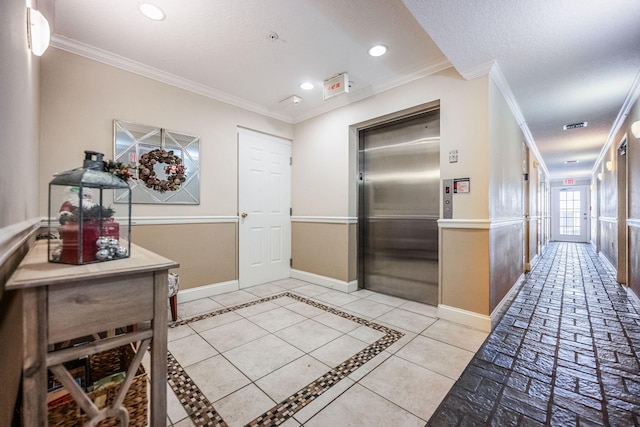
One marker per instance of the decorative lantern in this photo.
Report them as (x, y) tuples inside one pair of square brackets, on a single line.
[(87, 228)]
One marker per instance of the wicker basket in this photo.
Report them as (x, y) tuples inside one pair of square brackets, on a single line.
[(67, 414)]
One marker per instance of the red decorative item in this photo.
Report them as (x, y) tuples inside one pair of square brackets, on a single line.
[(110, 228), (69, 234)]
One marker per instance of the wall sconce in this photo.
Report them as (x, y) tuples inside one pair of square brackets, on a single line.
[(635, 128), (38, 32), (600, 176), (609, 165)]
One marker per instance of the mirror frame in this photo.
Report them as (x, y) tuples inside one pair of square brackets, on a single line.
[(132, 140)]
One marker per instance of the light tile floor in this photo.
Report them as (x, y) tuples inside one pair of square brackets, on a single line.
[(295, 353)]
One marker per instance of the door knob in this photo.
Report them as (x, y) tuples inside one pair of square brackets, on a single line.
[(244, 215)]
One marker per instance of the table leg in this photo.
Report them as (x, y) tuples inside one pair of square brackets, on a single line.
[(159, 351), (35, 338)]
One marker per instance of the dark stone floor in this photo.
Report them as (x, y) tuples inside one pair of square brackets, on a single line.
[(565, 353)]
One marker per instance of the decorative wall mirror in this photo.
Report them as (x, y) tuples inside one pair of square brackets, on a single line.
[(171, 160)]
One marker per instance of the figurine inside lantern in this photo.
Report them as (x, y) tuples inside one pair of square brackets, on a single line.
[(87, 228)]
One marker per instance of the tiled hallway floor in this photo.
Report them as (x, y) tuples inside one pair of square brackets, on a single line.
[(565, 353), (311, 356)]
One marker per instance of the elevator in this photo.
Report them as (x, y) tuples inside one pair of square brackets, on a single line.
[(399, 206)]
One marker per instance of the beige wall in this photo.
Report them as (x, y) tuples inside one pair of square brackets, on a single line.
[(325, 152), (18, 117), (506, 264), (464, 262), (325, 165), (322, 248), (506, 160), (479, 266), (18, 185), (506, 198), (619, 204), (633, 170), (80, 100), (81, 97), (490, 154), (207, 252), (608, 220), (533, 210)]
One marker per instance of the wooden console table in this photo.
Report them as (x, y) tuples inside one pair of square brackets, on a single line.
[(63, 302)]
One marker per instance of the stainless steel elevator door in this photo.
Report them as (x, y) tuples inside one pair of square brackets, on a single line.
[(399, 208)]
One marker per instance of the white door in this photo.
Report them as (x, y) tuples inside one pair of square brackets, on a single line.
[(264, 201), (570, 214)]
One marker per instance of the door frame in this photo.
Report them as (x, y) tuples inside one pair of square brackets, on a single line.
[(362, 236), (526, 209), (623, 211), (555, 212), (243, 282)]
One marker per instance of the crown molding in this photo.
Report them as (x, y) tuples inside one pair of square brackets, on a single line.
[(93, 53), (90, 52), (629, 101), (477, 71), (503, 86)]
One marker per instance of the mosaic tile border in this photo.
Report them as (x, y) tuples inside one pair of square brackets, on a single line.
[(201, 411)]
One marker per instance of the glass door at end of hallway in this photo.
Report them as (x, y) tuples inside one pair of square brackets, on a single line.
[(570, 214)]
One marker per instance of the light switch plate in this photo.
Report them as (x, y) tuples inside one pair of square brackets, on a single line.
[(453, 156)]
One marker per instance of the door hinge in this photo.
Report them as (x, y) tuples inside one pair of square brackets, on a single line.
[(290, 262), (290, 211), (290, 161)]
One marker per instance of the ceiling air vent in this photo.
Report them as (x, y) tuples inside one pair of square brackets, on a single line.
[(575, 125)]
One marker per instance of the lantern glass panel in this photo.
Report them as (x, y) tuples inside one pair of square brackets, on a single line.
[(81, 216)]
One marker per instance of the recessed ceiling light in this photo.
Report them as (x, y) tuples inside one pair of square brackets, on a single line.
[(306, 85), (152, 11), (377, 50)]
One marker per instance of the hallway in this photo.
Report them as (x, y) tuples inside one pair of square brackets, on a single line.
[(566, 352)]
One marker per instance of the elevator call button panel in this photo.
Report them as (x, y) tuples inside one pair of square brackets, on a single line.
[(447, 199)]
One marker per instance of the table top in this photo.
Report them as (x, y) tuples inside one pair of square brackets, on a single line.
[(35, 269)]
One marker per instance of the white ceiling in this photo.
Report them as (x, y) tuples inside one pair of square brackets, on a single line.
[(564, 61)]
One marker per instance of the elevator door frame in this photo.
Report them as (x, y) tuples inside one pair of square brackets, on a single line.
[(387, 120)]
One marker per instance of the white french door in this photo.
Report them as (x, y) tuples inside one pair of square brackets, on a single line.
[(264, 201), (570, 214)]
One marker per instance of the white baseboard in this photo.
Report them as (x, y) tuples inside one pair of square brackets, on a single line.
[(507, 299), (325, 281), (606, 261), (464, 317), (233, 285), (632, 296), (207, 291)]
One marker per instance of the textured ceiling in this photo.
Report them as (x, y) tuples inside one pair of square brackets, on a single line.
[(564, 61)]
